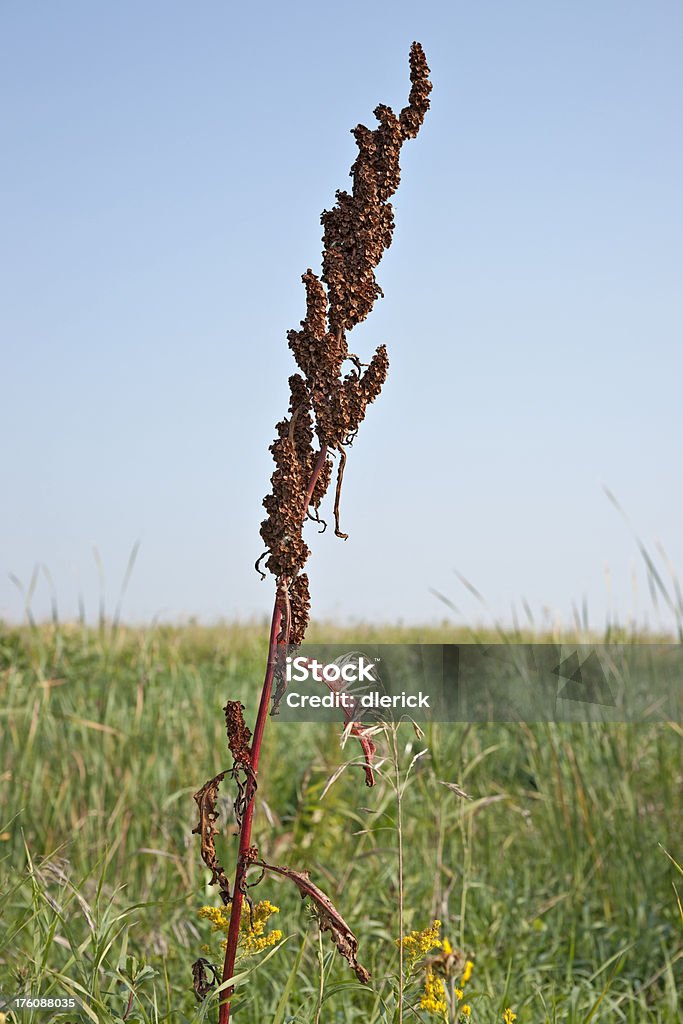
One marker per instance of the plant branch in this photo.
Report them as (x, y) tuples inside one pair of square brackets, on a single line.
[(243, 858)]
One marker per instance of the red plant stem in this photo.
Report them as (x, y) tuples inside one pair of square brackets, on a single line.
[(130, 1004), (247, 819)]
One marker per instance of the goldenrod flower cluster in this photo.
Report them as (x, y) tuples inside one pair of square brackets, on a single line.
[(218, 917), (434, 998), (439, 970), (417, 944), (253, 937), (509, 1017)]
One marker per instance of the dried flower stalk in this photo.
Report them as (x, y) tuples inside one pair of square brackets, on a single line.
[(328, 405)]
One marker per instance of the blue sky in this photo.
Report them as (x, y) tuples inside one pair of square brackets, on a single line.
[(165, 168)]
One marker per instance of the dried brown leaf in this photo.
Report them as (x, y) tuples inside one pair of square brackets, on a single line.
[(205, 798), (329, 918), (201, 982)]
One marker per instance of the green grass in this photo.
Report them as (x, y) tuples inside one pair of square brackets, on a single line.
[(560, 887)]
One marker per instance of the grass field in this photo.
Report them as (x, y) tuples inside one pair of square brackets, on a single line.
[(554, 879)]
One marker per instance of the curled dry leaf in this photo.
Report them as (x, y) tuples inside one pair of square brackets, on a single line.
[(369, 750), (201, 982), (205, 798), (329, 918), (352, 727)]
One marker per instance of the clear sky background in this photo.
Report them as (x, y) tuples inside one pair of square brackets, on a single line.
[(165, 166)]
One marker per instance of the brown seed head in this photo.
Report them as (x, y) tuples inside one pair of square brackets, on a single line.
[(356, 231)]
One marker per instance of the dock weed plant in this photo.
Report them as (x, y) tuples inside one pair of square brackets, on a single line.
[(326, 404)]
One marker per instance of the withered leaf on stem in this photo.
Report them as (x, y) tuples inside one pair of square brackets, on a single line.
[(369, 750), (329, 918), (201, 982), (205, 798)]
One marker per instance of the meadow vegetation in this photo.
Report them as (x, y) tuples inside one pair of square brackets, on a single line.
[(556, 879)]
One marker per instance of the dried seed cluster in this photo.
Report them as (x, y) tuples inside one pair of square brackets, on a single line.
[(323, 400), (238, 734)]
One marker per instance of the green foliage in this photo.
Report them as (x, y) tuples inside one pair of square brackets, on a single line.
[(554, 877)]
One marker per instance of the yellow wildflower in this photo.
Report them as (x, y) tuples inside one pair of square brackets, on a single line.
[(217, 916), (447, 948), (466, 1010), (417, 944), (434, 998), (459, 993), (509, 1017), (467, 973), (252, 938)]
